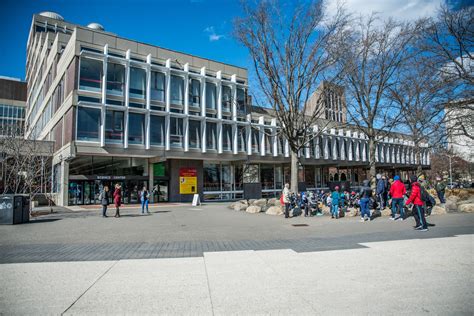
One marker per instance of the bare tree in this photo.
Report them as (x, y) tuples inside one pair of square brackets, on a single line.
[(370, 53), (448, 42), (25, 164), (287, 44), (420, 96)]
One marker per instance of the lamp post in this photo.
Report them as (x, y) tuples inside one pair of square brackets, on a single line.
[(450, 172)]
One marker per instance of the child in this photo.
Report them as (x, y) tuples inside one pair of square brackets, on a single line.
[(335, 200)]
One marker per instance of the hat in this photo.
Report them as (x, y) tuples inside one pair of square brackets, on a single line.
[(396, 178), (413, 178)]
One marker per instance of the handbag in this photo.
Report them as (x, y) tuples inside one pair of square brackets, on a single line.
[(281, 200)]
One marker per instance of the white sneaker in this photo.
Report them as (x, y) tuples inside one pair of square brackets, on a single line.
[(362, 220), (392, 218)]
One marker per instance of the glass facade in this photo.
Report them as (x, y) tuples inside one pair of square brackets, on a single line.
[(88, 124), (157, 130), (226, 99), (157, 86), (194, 93), (90, 74), (115, 79), (194, 134), (136, 128), (227, 137), (177, 90), (211, 135), (211, 96), (137, 83), (114, 127), (12, 119), (176, 132)]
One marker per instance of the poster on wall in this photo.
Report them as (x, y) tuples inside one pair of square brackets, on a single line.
[(187, 181)]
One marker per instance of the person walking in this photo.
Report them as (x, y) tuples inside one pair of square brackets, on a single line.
[(365, 195), (286, 199), (104, 200), (418, 210), (117, 199), (144, 196), (380, 191), (385, 191), (335, 200), (397, 193), (440, 188)]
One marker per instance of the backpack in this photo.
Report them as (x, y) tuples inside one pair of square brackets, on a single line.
[(427, 198)]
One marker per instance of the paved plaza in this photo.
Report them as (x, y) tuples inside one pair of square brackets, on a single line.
[(210, 260)]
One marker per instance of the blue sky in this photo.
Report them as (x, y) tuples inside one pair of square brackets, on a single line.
[(198, 27)]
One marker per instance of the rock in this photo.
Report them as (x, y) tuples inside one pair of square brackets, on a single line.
[(352, 212), (295, 212), (259, 202), (386, 212), (243, 202), (240, 207), (438, 210), (232, 205), (253, 209), (463, 194), (466, 208), (273, 201), (250, 202), (275, 210), (451, 205)]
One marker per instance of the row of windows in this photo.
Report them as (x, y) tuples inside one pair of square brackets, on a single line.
[(12, 111), (90, 79)]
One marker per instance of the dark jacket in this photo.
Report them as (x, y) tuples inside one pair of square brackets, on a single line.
[(365, 191), (105, 198), (380, 189)]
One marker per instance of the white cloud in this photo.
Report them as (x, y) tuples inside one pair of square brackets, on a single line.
[(213, 36), (398, 9)]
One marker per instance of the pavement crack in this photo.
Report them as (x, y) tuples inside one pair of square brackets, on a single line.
[(93, 283), (208, 284)]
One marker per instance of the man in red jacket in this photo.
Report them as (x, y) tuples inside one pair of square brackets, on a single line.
[(418, 210), (397, 192)]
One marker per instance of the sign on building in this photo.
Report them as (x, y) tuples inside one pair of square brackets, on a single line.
[(187, 181)]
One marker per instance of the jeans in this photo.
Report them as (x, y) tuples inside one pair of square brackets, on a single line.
[(287, 210), (398, 203), (441, 196), (364, 207), (419, 215), (144, 204), (381, 202), (335, 210), (104, 210)]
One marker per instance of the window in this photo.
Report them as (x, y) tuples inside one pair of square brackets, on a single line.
[(268, 141), (211, 135), (137, 83), (212, 177), (194, 93), (194, 134), (211, 96), (227, 137), (241, 101), (90, 78), (115, 79), (177, 90), (255, 140), (114, 126), (136, 128), (157, 86), (267, 176), (88, 123), (309, 176), (157, 130), (226, 99), (176, 131), (242, 138)]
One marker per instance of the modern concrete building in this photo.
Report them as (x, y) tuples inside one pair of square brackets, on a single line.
[(12, 106), (329, 102), (460, 124), (123, 111)]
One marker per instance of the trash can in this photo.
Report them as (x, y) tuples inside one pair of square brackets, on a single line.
[(14, 209)]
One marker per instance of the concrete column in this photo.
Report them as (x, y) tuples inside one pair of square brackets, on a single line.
[(219, 94), (261, 135), (186, 133), (186, 89), (235, 139), (203, 91), (219, 137), (150, 180), (168, 85), (203, 134), (63, 199), (249, 134), (127, 99), (275, 139)]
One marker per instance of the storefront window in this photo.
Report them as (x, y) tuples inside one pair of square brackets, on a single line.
[(194, 134), (88, 124), (177, 90), (211, 135), (194, 92), (90, 77), (176, 131), (278, 178), (226, 99), (137, 83), (157, 86), (114, 126), (267, 176), (157, 130), (211, 96), (115, 79), (309, 177), (227, 137), (212, 177), (136, 128), (238, 177), (226, 178)]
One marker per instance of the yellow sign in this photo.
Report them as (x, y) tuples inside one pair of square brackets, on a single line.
[(187, 185)]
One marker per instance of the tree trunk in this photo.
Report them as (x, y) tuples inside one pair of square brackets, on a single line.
[(294, 172), (419, 168), (372, 161)]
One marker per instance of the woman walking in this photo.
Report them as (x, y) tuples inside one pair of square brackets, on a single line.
[(104, 200), (117, 199), (144, 199)]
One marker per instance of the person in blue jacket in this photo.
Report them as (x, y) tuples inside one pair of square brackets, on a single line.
[(336, 200), (380, 191)]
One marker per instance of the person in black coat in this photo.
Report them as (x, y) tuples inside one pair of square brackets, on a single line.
[(104, 200)]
